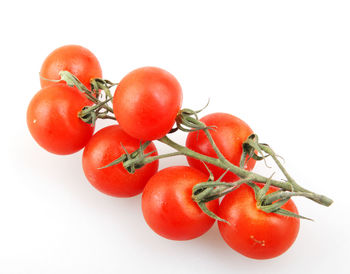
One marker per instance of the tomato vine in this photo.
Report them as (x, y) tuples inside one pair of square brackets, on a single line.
[(256, 215), (187, 120)]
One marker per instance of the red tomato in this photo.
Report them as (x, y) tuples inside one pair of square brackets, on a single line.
[(253, 232), (146, 103), (229, 133), (168, 207), (52, 119), (103, 148), (73, 58)]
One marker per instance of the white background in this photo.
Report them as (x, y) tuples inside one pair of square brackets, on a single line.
[(282, 66)]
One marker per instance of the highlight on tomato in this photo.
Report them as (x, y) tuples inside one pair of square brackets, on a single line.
[(168, 207), (253, 232), (104, 147), (76, 59), (52, 119), (228, 132), (146, 102)]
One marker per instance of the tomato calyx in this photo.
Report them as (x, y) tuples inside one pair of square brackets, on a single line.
[(250, 147), (72, 81), (273, 202), (213, 189), (132, 161), (98, 84), (100, 109), (89, 114), (269, 203), (187, 120)]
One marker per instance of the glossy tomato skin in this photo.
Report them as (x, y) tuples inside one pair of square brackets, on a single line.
[(253, 232), (168, 207), (52, 119), (146, 102), (73, 58), (103, 148), (229, 133)]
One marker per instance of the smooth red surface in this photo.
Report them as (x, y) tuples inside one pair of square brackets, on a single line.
[(103, 148), (52, 119), (168, 207), (253, 232), (73, 58), (229, 133), (146, 103)]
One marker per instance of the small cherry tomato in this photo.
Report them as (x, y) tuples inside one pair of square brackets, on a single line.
[(105, 147), (52, 119), (168, 207), (73, 58), (253, 232), (146, 103), (228, 133)]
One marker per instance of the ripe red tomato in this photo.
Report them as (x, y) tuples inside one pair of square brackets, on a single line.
[(168, 207), (106, 146), (229, 133), (253, 232), (146, 103), (52, 119), (73, 58)]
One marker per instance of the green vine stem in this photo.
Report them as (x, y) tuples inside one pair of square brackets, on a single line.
[(242, 173), (100, 109), (290, 188), (187, 121), (204, 192), (97, 84)]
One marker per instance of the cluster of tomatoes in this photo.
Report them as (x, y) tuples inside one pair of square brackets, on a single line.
[(146, 103)]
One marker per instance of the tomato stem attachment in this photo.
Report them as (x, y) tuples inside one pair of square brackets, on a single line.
[(100, 109), (134, 160), (72, 81), (98, 84)]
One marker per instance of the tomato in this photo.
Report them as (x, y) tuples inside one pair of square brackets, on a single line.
[(73, 58), (253, 232), (146, 103), (168, 207), (52, 119), (106, 146), (229, 133)]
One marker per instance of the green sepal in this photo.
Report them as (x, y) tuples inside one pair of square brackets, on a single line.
[(255, 188), (211, 214), (262, 192), (249, 147), (115, 162), (187, 123), (273, 207), (288, 213), (132, 161), (89, 114)]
